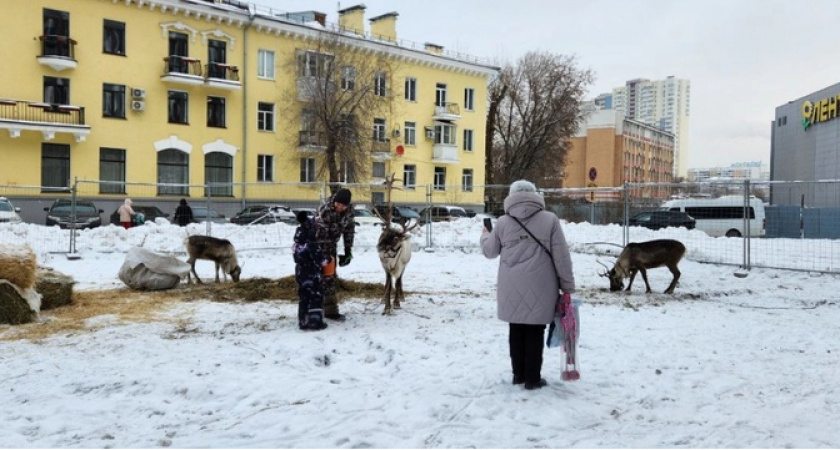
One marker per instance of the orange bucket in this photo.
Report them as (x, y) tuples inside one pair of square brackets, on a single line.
[(329, 269)]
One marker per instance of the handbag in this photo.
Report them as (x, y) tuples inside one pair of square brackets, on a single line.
[(564, 329)]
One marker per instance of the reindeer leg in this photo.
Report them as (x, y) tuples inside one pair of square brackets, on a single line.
[(644, 277), (217, 272), (632, 277), (387, 299), (192, 265), (398, 295), (676, 272)]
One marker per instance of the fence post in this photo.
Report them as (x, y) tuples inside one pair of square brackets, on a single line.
[(73, 191), (747, 225), (208, 227), (429, 240), (626, 229)]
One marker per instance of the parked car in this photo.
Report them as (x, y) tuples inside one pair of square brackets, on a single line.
[(204, 214), (366, 217), (149, 212), (398, 213), (8, 212), (87, 214), (264, 214), (442, 213), (656, 220)]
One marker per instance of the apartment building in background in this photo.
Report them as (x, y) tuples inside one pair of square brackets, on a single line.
[(611, 149), (665, 104), (740, 171), (203, 91)]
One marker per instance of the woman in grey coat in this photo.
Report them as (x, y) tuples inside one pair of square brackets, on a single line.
[(527, 287)]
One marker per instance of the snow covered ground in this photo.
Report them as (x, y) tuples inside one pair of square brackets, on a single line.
[(725, 362)]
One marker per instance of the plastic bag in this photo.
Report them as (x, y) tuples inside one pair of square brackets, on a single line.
[(556, 333)]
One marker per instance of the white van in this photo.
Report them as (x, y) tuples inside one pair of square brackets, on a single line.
[(722, 216)]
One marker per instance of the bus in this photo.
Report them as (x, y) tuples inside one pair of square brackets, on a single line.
[(723, 216)]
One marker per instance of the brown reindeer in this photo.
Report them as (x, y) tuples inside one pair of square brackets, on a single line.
[(640, 256), (220, 251), (394, 249)]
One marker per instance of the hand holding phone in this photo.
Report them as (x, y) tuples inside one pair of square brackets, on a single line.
[(488, 224)]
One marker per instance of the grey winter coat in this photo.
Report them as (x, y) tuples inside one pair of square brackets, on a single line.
[(527, 289)]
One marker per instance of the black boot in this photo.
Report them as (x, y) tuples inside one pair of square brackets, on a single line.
[(531, 385), (336, 316)]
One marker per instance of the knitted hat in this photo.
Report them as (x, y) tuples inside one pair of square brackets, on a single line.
[(301, 216), (522, 186), (343, 196)]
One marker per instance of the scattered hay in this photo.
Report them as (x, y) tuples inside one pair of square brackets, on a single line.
[(284, 289), (17, 265), (14, 308), (56, 288)]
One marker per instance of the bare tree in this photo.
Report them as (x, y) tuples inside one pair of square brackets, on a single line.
[(535, 107), (344, 102)]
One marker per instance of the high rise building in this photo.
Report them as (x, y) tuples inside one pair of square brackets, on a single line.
[(664, 104)]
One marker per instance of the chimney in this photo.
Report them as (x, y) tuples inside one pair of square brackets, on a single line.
[(353, 19), (384, 26), (434, 48)]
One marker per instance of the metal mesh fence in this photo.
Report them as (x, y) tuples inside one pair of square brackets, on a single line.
[(790, 225)]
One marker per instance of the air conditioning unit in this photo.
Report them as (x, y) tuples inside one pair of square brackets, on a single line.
[(138, 93), (138, 105), (430, 134), (396, 133)]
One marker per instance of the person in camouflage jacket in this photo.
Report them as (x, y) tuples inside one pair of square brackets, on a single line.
[(309, 261), (334, 221)]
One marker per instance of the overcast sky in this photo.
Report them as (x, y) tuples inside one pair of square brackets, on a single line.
[(743, 58)]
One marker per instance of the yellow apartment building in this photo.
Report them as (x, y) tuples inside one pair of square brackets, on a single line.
[(609, 150), (183, 93)]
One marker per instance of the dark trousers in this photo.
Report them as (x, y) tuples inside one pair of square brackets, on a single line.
[(330, 296), (526, 351), (311, 299)]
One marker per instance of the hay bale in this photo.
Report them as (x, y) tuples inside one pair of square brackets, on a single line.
[(18, 265), (56, 288), (18, 306)]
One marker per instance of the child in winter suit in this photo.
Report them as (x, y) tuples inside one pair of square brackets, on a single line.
[(309, 261)]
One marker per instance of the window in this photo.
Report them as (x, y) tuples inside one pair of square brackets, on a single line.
[(56, 91), (173, 168), (467, 180), (216, 112), (409, 176), (112, 168), (265, 64), (379, 130), (468, 140), (377, 198), (265, 116), (216, 59), (113, 37), (113, 100), (178, 107), (218, 174), (311, 64), (469, 99), (55, 166), (309, 134), (440, 94), (445, 134), (348, 78), (346, 171), (56, 30), (411, 89), (179, 48), (378, 170), (380, 84), (410, 133), (307, 170), (440, 179), (265, 167)]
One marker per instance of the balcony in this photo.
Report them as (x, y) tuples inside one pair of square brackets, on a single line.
[(182, 70), (222, 76), (445, 153), (447, 112), (312, 141), (18, 115), (381, 149), (57, 52)]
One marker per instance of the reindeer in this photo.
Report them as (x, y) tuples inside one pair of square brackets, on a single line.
[(220, 251), (394, 249), (640, 256)]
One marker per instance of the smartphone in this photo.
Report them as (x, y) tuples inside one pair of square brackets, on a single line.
[(488, 223)]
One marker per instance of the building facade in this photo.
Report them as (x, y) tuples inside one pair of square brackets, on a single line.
[(610, 149), (749, 170), (191, 92), (805, 147), (665, 104)]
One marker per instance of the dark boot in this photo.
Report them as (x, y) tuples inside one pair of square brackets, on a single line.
[(336, 316), (531, 385)]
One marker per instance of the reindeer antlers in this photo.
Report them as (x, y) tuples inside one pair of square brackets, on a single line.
[(606, 272)]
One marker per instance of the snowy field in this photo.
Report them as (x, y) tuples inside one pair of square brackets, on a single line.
[(725, 362)]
